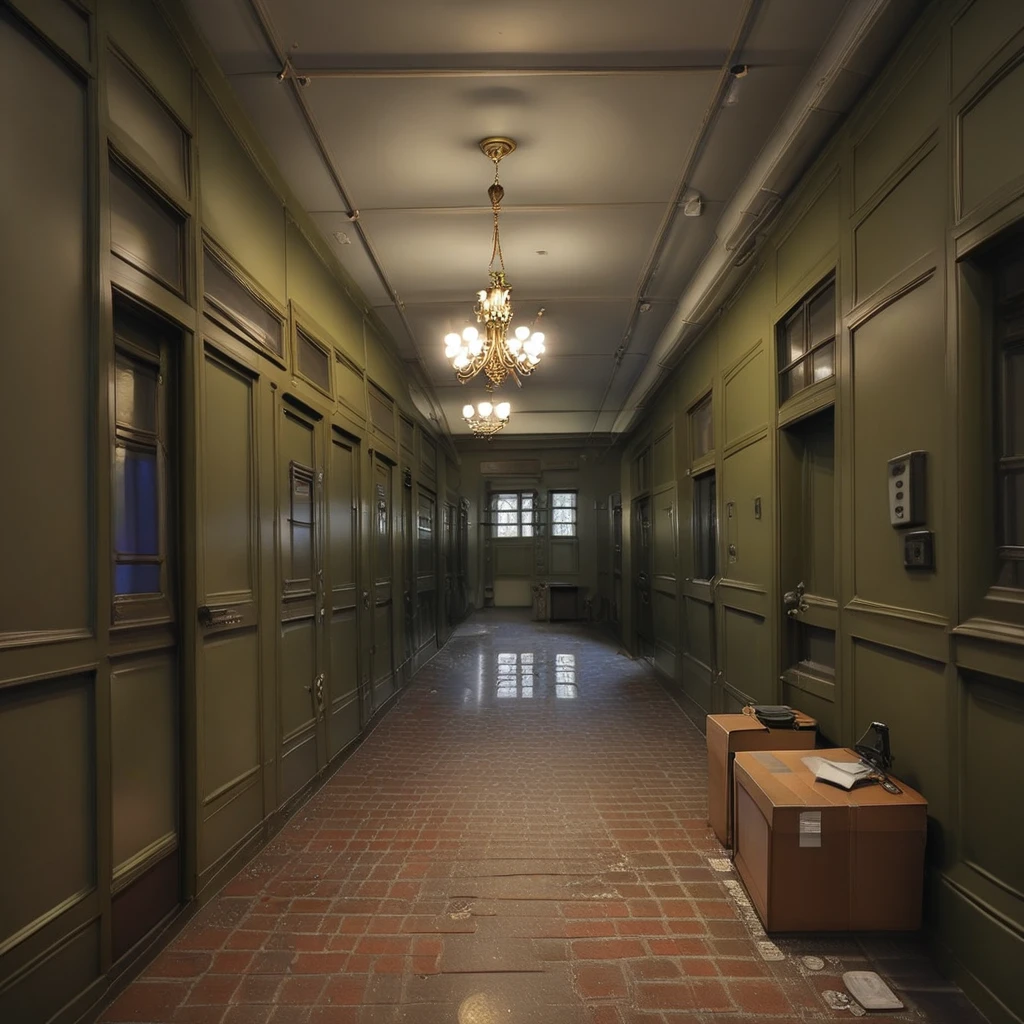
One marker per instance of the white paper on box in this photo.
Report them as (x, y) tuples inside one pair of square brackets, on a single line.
[(810, 828)]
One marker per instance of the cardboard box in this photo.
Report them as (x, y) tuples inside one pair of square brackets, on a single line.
[(815, 857), (728, 733)]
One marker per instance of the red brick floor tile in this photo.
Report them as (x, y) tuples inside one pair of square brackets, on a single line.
[(607, 949), (599, 981), (759, 997), (563, 844)]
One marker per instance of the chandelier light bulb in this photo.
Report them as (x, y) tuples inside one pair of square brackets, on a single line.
[(522, 332), (467, 412), (470, 334), (452, 340), (485, 408), (538, 339), (502, 410)]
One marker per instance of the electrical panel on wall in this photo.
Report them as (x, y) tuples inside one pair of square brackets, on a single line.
[(907, 489)]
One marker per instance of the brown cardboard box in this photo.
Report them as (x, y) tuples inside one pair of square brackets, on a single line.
[(728, 733), (815, 857)]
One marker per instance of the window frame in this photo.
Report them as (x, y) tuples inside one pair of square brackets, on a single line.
[(130, 610), (705, 527), (519, 525), (574, 508), (805, 360)]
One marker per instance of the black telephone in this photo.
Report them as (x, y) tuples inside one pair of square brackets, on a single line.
[(875, 751)]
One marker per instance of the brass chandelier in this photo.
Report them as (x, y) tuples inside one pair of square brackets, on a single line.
[(485, 419), (493, 351)]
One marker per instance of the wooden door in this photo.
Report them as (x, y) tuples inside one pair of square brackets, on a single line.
[(344, 612), (807, 487), (642, 531), (426, 569), (145, 678), (231, 660), (302, 693), (382, 572)]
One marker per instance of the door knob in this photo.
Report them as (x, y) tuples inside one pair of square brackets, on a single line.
[(366, 599), (794, 601), (318, 693)]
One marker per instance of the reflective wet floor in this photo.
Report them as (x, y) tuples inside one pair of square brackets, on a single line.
[(522, 839)]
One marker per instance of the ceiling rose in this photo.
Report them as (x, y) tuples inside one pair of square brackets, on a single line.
[(493, 351)]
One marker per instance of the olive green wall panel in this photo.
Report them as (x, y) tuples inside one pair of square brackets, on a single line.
[(298, 667), (314, 288), (662, 460), (747, 475), (513, 558), (899, 363), (742, 324), (228, 514), (350, 385), (747, 651), (45, 534), (226, 822), (979, 31), (696, 683), (746, 396), (344, 641), (663, 540), (664, 615), (905, 226), (992, 779), (63, 22), (230, 710), (700, 631), (144, 36), (895, 687), (903, 125), (145, 747), (144, 120), (565, 557), (239, 208), (809, 241), (54, 980), (47, 734), (825, 709), (990, 950), (992, 157)]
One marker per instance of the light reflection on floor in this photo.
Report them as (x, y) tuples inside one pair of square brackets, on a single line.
[(520, 675)]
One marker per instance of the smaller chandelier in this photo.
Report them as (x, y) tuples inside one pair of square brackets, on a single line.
[(486, 419)]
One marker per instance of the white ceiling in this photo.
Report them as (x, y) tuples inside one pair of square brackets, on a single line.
[(616, 109)]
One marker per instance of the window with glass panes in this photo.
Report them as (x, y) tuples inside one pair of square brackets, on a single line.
[(563, 513), (1008, 378), (807, 342), (512, 514), (702, 429)]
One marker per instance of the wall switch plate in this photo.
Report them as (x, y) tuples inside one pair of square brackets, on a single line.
[(906, 490), (918, 550)]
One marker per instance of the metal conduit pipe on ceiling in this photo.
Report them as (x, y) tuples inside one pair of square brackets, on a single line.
[(826, 94)]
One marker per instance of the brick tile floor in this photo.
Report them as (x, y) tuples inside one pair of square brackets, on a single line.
[(522, 839)]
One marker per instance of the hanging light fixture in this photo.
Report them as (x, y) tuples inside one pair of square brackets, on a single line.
[(486, 419), (493, 351)]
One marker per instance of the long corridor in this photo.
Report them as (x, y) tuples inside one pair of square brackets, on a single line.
[(522, 839)]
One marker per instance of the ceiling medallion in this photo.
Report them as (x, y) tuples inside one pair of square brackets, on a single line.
[(486, 419), (493, 351)]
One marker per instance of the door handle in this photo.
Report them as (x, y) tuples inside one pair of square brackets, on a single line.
[(366, 599), (794, 601), (317, 690)]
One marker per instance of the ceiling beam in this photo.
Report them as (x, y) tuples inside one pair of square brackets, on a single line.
[(305, 75)]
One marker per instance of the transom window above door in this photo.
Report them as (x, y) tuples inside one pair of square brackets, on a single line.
[(512, 513), (807, 341)]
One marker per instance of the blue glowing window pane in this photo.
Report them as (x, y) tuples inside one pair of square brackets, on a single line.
[(136, 506), (137, 579)]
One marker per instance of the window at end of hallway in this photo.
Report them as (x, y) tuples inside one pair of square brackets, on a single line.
[(563, 513), (806, 339), (512, 514)]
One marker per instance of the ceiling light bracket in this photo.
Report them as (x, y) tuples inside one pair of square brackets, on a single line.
[(497, 147)]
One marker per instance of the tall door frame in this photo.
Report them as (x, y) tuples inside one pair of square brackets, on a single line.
[(147, 650), (344, 590), (302, 695), (382, 684)]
